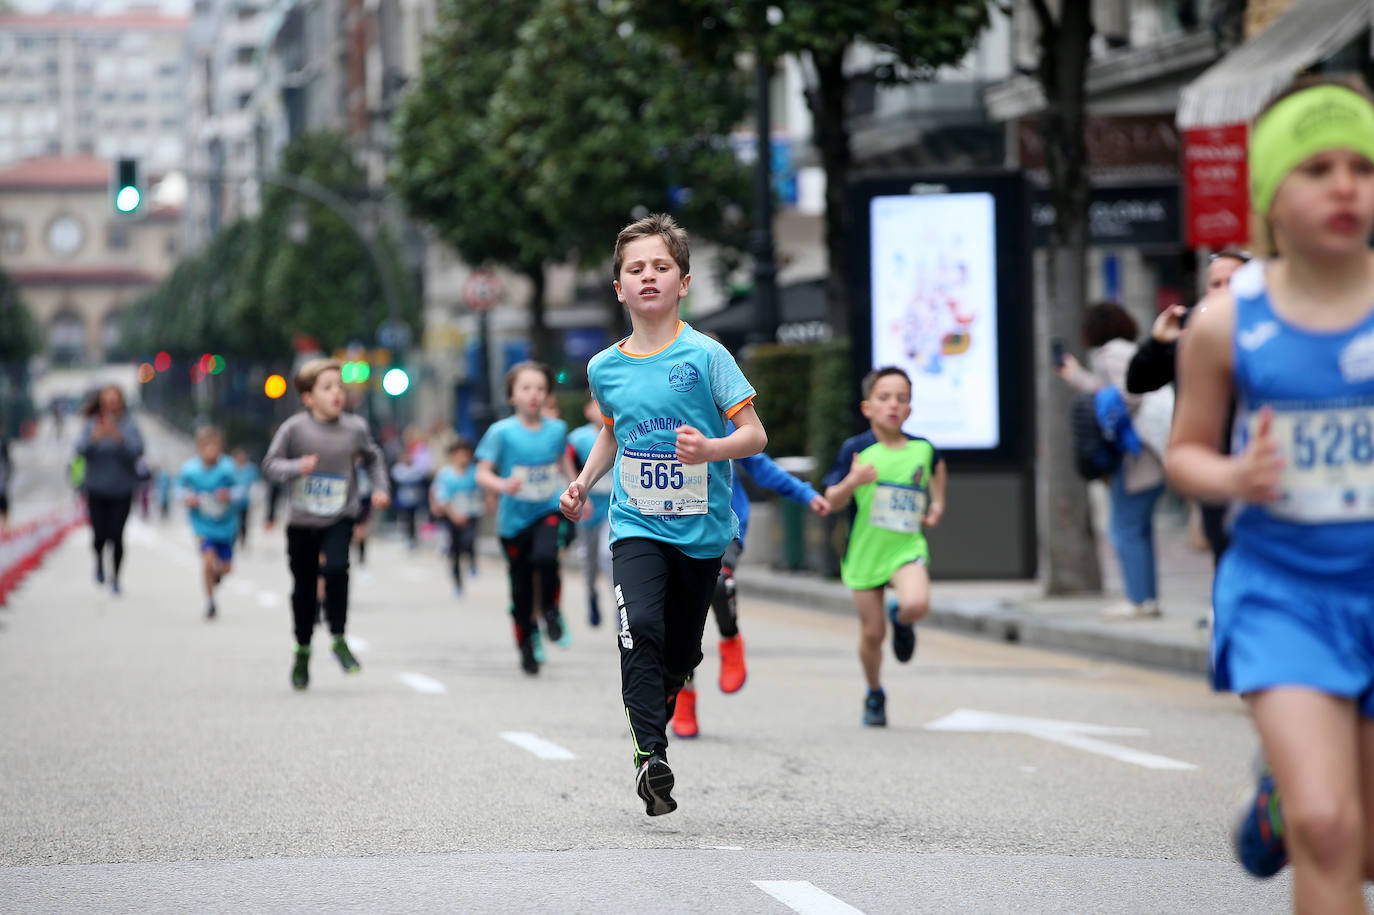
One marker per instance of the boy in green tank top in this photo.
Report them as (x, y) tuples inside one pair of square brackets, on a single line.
[(897, 484)]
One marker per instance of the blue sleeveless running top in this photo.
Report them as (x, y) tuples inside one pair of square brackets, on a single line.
[(1320, 385)]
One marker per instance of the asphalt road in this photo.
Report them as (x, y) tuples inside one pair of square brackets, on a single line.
[(152, 761)]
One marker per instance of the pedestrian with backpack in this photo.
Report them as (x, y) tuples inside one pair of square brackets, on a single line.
[(1110, 449)]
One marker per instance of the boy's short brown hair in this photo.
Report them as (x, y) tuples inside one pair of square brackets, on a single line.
[(309, 374), (665, 227), (209, 433), (873, 377), (529, 365), (460, 444)]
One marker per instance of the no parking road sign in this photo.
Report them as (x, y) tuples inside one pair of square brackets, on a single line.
[(482, 290)]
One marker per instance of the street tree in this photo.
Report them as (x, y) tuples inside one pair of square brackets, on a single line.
[(1062, 71), (535, 147), (20, 338), (450, 167), (318, 277), (911, 42)]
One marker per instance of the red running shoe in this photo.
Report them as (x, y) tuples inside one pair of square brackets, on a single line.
[(685, 715), (732, 672)]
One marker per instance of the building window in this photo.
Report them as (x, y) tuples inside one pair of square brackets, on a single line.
[(12, 238), (245, 100), (67, 337), (117, 236)]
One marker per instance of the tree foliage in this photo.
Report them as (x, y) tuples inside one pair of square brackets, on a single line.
[(534, 145), (252, 288), (913, 40), (20, 336)]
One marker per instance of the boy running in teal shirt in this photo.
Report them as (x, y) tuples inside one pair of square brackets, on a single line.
[(456, 497), (208, 481), (523, 459), (665, 393), (897, 482)]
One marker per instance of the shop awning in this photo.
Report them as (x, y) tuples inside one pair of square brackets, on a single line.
[(1235, 88)]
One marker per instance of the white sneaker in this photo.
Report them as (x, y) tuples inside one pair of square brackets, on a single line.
[(1125, 610)]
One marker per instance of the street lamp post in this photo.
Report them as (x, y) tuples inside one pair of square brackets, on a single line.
[(765, 325)]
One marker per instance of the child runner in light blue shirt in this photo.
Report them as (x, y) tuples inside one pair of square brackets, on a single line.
[(523, 458), (459, 501), (207, 482), (665, 393)]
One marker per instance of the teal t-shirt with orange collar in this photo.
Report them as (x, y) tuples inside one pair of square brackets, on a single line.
[(693, 381)]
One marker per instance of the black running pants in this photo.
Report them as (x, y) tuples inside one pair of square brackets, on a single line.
[(304, 545), (108, 515), (662, 597), (723, 601), (462, 542), (535, 549)]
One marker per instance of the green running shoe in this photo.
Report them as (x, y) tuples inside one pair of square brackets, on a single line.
[(300, 673), (346, 660)]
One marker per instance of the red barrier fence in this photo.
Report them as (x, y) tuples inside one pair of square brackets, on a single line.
[(23, 546)]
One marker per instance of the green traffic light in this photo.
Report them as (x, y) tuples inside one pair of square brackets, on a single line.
[(127, 200), (395, 382)]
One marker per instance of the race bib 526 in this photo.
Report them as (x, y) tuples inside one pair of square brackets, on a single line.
[(898, 508)]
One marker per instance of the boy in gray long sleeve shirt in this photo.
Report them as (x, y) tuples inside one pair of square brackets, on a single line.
[(313, 453)]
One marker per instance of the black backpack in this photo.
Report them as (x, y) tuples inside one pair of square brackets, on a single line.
[(1093, 455)]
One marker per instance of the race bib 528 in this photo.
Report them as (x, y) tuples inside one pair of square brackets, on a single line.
[(1328, 472)]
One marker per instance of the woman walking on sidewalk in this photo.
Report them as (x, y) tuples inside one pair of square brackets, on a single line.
[(110, 445), (1109, 332)]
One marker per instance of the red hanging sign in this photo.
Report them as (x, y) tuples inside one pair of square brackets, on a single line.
[(1216, 191)]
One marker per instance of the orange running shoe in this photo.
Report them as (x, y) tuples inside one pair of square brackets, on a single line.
[(732, 672), (685, 715)]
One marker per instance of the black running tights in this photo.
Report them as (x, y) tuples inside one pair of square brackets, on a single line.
[(108, 515)]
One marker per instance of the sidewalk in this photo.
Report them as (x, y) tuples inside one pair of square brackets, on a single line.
[(1018, 611)]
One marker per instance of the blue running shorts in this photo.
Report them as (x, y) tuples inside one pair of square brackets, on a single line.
[(1274, 626), (225, 551)]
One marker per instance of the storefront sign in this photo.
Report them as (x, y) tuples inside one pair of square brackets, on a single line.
[(1215, 179), (1113, 141), (1137, 215)]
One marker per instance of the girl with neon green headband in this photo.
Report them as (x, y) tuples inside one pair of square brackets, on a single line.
[(1292, 340)]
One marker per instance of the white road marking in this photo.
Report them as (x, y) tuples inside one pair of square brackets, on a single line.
[(241, 586), (1066, 733), (269, 599), (804, 897), (537, 745), (358, 644), (422, 684)]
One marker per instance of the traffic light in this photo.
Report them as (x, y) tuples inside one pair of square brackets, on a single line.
[(395, 382), (125, 190), (355, 372)]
